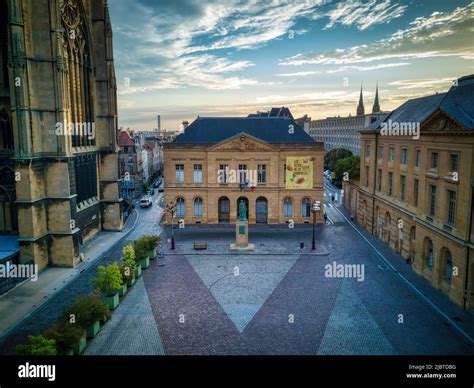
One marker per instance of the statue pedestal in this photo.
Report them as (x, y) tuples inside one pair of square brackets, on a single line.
[(242, 238)]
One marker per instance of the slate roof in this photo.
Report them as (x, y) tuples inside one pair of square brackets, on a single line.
[(458, 103), (212, 130)]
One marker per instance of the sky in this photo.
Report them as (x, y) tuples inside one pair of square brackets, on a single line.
[(186, 58)]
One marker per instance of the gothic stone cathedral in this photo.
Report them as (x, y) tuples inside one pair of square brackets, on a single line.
[(59, 180)]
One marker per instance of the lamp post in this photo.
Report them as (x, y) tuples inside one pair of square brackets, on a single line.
[(171, 208), (316, 208)]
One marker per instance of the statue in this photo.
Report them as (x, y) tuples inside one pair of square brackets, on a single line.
[(242, 211)]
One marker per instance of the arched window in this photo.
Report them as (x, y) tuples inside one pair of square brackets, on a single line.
[(180, 207), (198, 207), (448, 265), (287, 207), (429, 254), (306, 207)]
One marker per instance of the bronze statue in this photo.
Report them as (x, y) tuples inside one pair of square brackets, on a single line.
[(242, 211)]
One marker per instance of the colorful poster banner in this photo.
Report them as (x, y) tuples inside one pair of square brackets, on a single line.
[(299, 173)]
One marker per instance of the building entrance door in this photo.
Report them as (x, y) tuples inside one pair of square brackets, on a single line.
[(261, 210)]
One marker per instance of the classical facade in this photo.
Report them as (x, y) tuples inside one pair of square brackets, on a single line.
[(200, 164), (416, 191), (343, 132), (58, 124)]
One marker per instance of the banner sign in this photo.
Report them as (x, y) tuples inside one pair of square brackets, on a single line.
[(299, 173)]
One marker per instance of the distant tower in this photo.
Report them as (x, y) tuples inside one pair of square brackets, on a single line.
[(360, 107), (376, 107)]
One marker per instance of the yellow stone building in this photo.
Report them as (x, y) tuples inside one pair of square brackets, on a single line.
[(416, 194), (58, 125), (216, 162)]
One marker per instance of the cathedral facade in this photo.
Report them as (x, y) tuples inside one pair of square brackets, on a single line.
[(59, 181)]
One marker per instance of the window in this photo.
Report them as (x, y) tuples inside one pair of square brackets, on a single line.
[(179, 173), (284, 173), (448, 265), (402, 187), (390, 183), (262, 173), (453, 162), (429, 255), (198, 173), (306, 207), (416, 189), (391, 154), (432, 200), (367, 175), (404, 156), (451, 207), (180, 207), (367, 150), (223, 176), (380, 153), (434, 160), (417, 158), (379, 184), (242, 173), (198, 207), (287, 207)]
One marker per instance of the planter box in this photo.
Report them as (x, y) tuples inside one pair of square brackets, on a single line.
[(112, 301), (152, 254), (138, 271), (145, 263), (123, 290), (93, 329), (79, 348), (131, 282)]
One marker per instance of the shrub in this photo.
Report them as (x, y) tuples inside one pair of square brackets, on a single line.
[(141, 249), (108, 279), (66, 335), (128, 259), (87, 310), (151, 241), (37, 346)]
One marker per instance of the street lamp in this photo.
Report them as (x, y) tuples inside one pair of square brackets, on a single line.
[(316, 208), (171, 208)]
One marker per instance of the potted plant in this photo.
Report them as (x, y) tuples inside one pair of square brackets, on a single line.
[(70, 338), (37, 346), (129, 264), (87, 312), (141, 253), (152, 242), (108, 281)]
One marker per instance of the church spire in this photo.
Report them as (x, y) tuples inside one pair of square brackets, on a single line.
[(360, 107), (376, 107)]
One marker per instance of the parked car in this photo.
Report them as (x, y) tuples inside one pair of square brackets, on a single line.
[(161, 188), (151, 191), (158, 182), (146, 202)]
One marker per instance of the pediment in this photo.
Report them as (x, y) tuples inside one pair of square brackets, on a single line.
[(440, 121), (242, 143)]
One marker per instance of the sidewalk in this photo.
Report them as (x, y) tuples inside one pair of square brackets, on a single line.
[(21, 301), (464, 319)]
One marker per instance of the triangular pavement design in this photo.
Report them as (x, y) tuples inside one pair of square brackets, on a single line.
[(351, 330), (241, 314), (243, 295)]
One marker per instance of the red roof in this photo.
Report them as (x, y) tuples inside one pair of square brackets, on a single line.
[(125, 139)]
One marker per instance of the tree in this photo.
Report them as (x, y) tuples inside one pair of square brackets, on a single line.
[(331, 158), (351, 165)]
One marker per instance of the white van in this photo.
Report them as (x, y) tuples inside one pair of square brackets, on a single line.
[(146, 202)]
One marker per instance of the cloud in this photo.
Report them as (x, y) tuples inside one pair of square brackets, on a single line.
[(442, 34), (364, 15), (423, 83), (368, 68), (298, 74)]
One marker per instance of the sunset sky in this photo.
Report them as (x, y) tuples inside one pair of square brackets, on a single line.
[(185, 58)]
